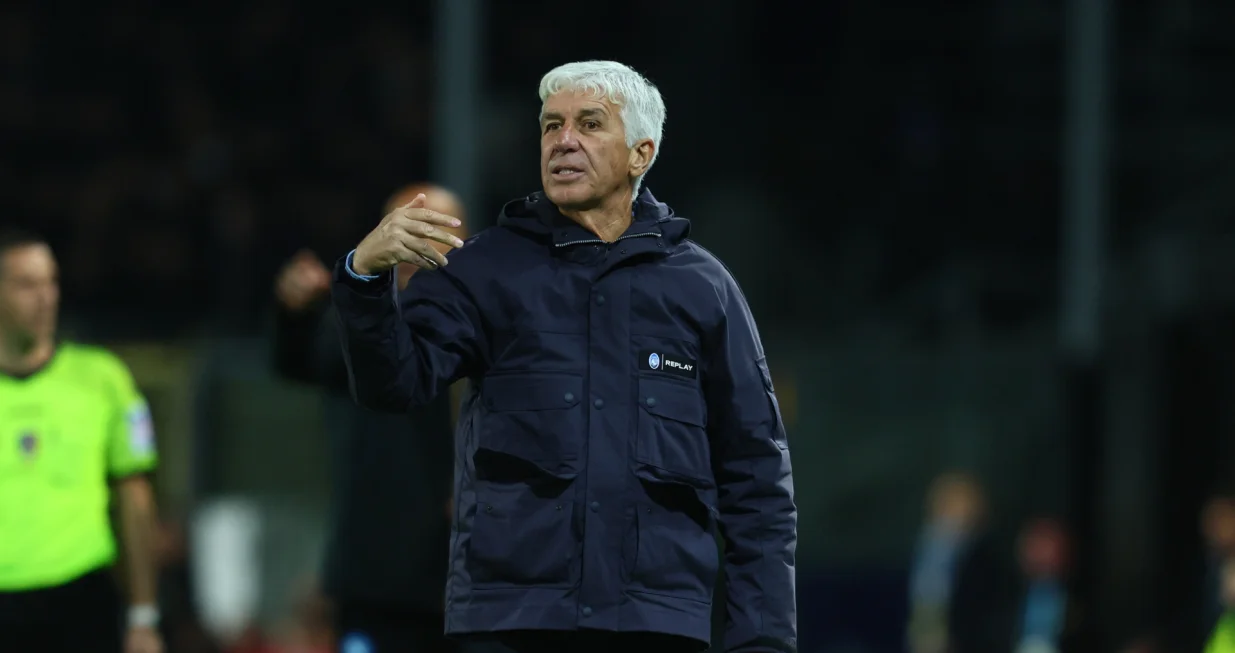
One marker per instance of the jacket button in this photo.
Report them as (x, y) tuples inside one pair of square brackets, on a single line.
[(651, 401), (595, 506), (599, 403), (569, 397), (587, 611), (600, 300), (488, 508)]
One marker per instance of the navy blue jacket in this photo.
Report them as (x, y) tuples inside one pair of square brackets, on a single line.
[(621, 407)]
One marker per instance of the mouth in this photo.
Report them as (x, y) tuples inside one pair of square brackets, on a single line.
[(565, 172)]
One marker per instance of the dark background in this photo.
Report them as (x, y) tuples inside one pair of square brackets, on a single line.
[(893, 183)]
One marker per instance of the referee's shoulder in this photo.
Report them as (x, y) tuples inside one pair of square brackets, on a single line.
[(94, 360)]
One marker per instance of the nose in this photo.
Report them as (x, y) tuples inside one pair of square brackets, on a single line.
[(565, 140)]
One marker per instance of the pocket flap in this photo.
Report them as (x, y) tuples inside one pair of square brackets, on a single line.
[(659, 476), (513, 392), (535, 419), (671, 400)]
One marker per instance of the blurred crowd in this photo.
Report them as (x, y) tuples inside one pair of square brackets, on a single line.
[(970, 593)]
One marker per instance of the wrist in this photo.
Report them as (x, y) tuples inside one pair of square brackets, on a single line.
[(143, 616), (358, 271), (361, 268)]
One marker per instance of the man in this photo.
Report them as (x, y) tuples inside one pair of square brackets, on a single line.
[(620, 401), (958, 587), (71, 419), (386, 558)]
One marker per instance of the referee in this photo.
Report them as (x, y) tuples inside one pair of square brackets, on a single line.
[(71, 422)]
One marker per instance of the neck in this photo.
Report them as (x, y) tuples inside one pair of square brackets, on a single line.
[(21, 355), (609, 220)]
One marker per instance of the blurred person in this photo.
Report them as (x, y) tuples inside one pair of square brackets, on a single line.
[(1044, 558), (1218, 532), (1223, 638), (956, 591), (620, 403), (75, 433), (387, 550)]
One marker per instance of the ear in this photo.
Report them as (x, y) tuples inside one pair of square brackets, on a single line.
[(641, 157)]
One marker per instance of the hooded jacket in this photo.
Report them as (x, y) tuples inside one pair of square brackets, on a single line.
[(621, 408)]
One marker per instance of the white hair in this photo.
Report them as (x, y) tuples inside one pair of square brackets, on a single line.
[(642, 108)]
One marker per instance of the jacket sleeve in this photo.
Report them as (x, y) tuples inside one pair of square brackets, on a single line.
[(403, 349), (750, 459)]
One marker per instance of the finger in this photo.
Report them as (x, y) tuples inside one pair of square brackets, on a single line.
[(416, 203), (426, 230), (421, 251), (431, 217)]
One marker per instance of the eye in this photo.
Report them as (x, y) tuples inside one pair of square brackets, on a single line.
[(591, 124), (551, 126)]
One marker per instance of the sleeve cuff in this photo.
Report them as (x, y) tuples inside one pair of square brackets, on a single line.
[(347, 267)]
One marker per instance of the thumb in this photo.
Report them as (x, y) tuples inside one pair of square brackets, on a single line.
[(417, 202)]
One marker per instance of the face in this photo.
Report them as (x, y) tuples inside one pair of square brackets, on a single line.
[(1044, 550), (584, 159), (1218, 524), (29, 293), (958, 502)]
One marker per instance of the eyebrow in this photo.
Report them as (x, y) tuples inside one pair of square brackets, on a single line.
[(583, 113)]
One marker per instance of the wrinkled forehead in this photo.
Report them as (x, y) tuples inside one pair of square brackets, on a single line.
[(575, 102)]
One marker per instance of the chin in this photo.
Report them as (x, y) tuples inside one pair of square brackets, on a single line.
[(574, 196)]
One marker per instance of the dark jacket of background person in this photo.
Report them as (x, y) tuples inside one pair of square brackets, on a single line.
[(389, 530), (981, 614), (622, 405)]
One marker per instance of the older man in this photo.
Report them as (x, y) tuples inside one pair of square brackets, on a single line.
[(621, 403)]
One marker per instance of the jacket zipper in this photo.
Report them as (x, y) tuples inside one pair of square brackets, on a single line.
[(597, 241)]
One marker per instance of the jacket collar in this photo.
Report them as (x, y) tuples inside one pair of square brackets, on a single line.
[(537, 216)]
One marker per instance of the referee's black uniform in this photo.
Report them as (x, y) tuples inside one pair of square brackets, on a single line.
[(386, 558)]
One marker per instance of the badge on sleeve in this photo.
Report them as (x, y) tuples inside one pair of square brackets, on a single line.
[(141, 430)]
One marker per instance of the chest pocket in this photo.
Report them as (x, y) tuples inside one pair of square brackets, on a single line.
[(672, 435)]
